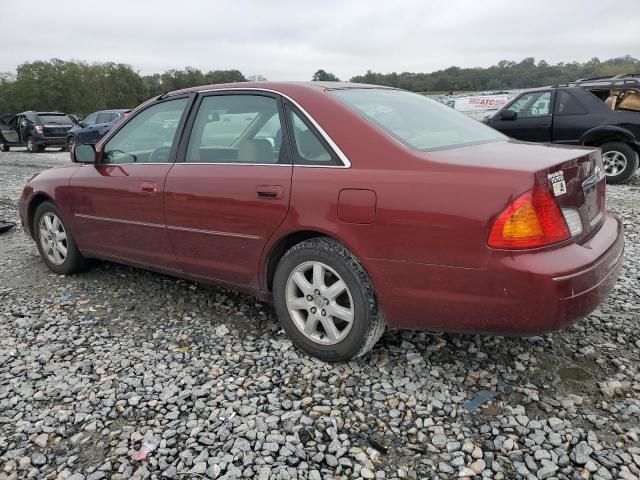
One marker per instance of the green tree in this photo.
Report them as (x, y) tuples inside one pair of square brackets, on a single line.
[(324, 76)]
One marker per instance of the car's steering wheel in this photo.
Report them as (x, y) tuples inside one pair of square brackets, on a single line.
[(160, 155)]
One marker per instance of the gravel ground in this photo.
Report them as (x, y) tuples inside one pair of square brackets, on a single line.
[(120, 373)]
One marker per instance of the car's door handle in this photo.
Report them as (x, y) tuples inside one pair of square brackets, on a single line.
[(150, 187), (270, 192)]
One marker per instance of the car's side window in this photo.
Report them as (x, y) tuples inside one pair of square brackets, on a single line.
[(104, 117), (308, 148), (568, 104), (149, 136), (90, 120), (236, 128), (532, 104)]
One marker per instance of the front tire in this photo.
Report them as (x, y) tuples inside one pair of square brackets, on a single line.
[(71, 143), (620, 161), (55, 242), (325, 301)]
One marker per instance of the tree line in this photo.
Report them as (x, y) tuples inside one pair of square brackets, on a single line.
[(503, 76), (80, 88)]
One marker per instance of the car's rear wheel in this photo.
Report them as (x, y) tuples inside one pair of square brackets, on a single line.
[(5, 147), (55, 242), (325, 301), (31, 145), (620, 161)]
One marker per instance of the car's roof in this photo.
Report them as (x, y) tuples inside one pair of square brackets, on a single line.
[(275, 86), (42, 113), (115, 110)]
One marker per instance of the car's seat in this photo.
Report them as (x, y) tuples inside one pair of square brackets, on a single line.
[(255, 151)]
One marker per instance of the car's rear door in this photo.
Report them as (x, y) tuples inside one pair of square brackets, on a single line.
[(572, 117), (118, 203), (230, 188), (533, 120)]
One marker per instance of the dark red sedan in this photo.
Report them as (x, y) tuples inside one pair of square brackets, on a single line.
[(352, 207)]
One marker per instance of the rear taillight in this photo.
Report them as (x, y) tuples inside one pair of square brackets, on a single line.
[(532, 220), (39, 129)]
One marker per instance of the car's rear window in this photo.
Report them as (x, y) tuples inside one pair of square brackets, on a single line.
[(416, 121), (53, 119)]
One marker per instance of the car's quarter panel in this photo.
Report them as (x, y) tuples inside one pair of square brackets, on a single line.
[(219, 222), (118, 211), (517, 293)]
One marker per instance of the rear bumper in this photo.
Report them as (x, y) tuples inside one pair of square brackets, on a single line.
[(524, 293), (48, 141)]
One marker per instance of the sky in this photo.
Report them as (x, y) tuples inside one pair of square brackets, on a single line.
[(291, 39)]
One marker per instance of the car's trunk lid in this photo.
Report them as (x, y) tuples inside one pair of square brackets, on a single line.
[(574, 175)]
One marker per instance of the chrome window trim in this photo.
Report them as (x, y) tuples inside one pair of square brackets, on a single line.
[(341, 155), (213, 163)]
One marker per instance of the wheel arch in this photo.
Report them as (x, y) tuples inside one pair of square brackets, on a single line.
[(281, 246), (38, 199), (600, 135)]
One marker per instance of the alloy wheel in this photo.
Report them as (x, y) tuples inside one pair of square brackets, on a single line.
[(320, 303), (53, 238), (30, 145), (614, 162)]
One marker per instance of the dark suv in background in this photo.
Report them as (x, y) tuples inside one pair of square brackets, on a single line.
[(36, 130), (94, 127), (601, 112)]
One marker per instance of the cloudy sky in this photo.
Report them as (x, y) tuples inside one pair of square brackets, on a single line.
[(291, 39)]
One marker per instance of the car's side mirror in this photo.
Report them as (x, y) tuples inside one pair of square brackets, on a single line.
[(508, 115), (83, 154)]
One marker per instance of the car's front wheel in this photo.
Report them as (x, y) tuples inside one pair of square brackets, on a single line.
[(620, 161), (325, 301), (71, 143), (55, 242)]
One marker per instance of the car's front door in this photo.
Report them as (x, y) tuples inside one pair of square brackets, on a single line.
[(533, 117), (102, 126), (118, 203), (84, 133), (230, 188), (10, 131)]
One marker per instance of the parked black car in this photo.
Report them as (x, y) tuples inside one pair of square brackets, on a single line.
[(602, 112), (94, 127), (36, 130)]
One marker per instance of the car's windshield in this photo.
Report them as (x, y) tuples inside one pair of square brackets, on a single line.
[(55, 119), (415, 120)]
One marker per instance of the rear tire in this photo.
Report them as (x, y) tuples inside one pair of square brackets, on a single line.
[(31, 145), (55, 242), (325, 301), (5, 148), (620, 161)]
